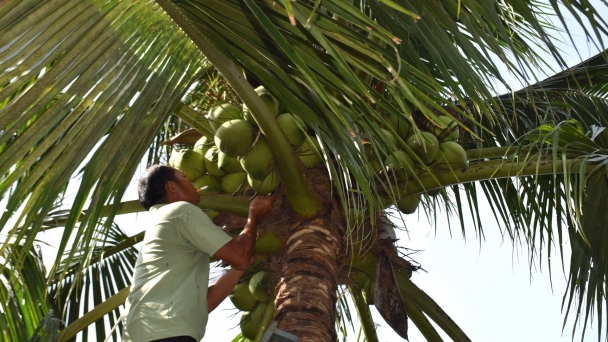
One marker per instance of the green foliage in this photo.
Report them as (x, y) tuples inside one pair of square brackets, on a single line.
[(92, 274), (23, 300), (89, 88)]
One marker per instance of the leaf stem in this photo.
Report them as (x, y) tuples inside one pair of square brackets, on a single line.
[(94, 315), (219, 202), (194, 119), (492, 169)]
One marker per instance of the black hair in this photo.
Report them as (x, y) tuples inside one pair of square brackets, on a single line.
[(151, 188)]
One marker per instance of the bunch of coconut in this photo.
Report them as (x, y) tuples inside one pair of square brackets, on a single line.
[(239, 139), (243, 155), (254, 300), (193, 162), (437, 148), (239, 156)]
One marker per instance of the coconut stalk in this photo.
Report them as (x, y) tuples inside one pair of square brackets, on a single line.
[(194, 119), (365, 315), (303, 199), (267, 318), (498, 152)]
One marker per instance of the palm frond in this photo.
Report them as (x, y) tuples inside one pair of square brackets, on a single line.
[(579, 93), (92, 274), (23, 302), (106, 75), (546, 211), (586, 295), (90, 86)]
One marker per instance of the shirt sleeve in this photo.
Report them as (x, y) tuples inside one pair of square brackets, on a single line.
[(199, 231)]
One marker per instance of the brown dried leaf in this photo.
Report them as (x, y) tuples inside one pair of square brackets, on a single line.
[(387, 297), (187, 137)]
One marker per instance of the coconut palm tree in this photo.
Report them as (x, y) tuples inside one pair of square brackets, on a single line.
[(92, 87)]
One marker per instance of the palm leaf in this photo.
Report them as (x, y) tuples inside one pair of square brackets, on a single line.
[(79, 102), (95, 272), (70, 71), (22, 293)]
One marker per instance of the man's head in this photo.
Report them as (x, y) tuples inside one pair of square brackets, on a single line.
[(164, 184)]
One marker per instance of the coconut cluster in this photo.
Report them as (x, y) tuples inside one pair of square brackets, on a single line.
[(412, 152), (253, 299), (238, 156)]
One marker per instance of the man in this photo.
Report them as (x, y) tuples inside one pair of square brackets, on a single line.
[(169, 299)]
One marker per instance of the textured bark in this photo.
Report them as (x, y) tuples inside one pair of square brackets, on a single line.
[(307, 281)]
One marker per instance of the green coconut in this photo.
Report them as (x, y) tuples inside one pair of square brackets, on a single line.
[(366, 263), (387, 141), (375, 166), (173, 156), (234, 183), (267, 242), (425, 145), (257, 315), (450, 132), (395, 190), (388, 137), (385, 201), (398, 159), (259, 285), (189, 162), (269, 101), (251, 321), (401, 163), (242, 298), (310, 152), (202, 145), (211, 162), (234, 137), (258, 162), (408, 205), (266, 186), (228, 164), (207, 184), (211, 213), (452, 156), (401, 127), (222, 113), (293, 127), (248, 328)]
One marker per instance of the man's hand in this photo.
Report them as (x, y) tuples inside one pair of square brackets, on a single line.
[(261, 207), (238, 252)]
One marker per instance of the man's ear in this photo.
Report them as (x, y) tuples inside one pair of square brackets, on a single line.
[(170, 187)]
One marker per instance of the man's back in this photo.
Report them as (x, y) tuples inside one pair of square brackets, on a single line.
[(169, 292)]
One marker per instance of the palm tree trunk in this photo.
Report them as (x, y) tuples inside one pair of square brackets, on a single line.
[(306, 291)]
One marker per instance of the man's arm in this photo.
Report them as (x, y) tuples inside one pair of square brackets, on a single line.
[(238, 252), (222, 287)]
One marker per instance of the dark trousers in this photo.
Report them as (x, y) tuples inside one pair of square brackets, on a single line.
[(177, 339)]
